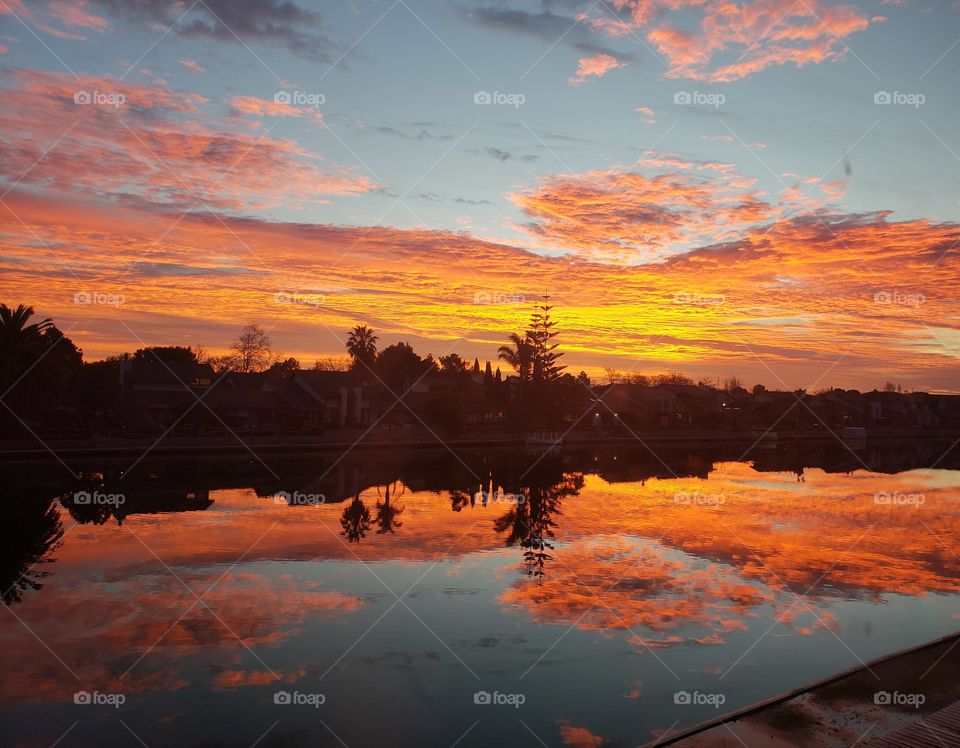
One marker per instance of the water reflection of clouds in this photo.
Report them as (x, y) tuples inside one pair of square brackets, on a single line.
[(666, 574), (104, 627)]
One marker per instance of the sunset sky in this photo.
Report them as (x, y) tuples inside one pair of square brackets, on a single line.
[(764, 188)]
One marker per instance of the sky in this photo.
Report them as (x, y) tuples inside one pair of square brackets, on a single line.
[(764, 189)]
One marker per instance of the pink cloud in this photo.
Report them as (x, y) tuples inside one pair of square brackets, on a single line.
[(272, 108), (74, 14), (619, 215), (192, 65), (150, 142), (648, 114), (756, 34), (597, 66)]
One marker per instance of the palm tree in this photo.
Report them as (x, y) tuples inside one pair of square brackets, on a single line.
[(14, 328), (362, 346), (355, 520), (17, 339), (519, 356), (387, 513)]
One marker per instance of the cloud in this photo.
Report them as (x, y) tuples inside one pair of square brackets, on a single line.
[(155, 144), (192, 65), (547, 25), (277, 22), (502, 155), (648, 114), (718, 138), (623, 213), (74, 14), (471, 201), (596, 66), (71, 15), (706, 40), (795, 290), (256, 106), (422, 134)]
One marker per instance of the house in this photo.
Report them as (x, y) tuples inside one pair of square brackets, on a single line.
[(158, 395), (697, 406), (342, 399), (635, 406), (166, 395)]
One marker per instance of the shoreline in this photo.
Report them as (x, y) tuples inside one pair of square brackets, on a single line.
[(415, 440)]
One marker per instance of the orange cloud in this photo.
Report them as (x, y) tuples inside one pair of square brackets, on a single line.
[(619, 214), (579, 737), (757, 34), (795, 291), (117, 139), (597, 66)]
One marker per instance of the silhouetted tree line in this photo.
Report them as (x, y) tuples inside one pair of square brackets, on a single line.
[(46, 386)]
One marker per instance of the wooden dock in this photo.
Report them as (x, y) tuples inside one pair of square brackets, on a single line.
[(846, 709), (938, 730)]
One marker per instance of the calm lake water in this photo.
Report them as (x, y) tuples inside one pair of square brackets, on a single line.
[(488, 598)]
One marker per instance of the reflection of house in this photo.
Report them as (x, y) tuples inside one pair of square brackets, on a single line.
[(161, 502)]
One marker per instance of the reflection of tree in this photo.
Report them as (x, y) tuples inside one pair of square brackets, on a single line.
[(31, 531), (459, 499), (88, 514), (91, 512), (531, 522), (387, 513), (355, 520)]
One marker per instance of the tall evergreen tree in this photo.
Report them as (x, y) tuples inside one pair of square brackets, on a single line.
[(540, 335)]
